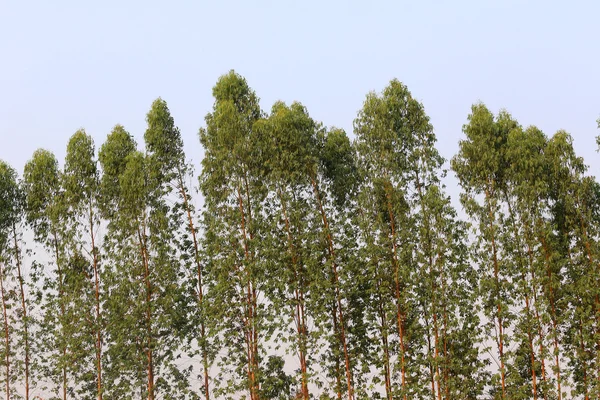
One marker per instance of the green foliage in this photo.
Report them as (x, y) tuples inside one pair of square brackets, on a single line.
[(318, 267)]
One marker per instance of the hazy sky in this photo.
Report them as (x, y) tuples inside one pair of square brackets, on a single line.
[(71, 64)]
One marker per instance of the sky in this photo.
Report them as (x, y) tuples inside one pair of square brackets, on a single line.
[(66, 65)]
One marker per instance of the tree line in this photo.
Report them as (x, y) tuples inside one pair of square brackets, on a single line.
[(318, 267)]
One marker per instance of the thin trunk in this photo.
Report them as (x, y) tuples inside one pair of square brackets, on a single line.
[(553, 316), (431, 365), (200, 287), (433, 286), (331, 250), (399, 313), (527, 306), (445, 333), (250, 329), (97, 295), (6, 332), (338, 372), (583, 362), (62, 312), (299, 300), (595, 266), (24, 309), (499, 304), (148, 284), (386, 347), (252, 298)]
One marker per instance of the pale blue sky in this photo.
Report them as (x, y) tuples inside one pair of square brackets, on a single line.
[(71, 64)]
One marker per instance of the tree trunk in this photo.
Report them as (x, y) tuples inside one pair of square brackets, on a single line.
[(331, 250), (200, 286), (6, 331), (24, 309)]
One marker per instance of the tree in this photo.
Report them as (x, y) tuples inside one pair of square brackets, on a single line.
[(165, 151), (480, 168), (46, 213), (82, 194), (232, 182), (10, 214), (144, 280)]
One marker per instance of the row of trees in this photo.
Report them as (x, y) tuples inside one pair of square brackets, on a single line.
[(318, 266)]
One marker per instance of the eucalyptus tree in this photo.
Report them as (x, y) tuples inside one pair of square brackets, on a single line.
[(46, 212), (383, 139), (574, 205), (480, 167), (291, 134), (334, 181), (123, 366), (144, 282), (10, 213), (414, 251), (233, 185), (449, 316), (165, 150), (82, 195)]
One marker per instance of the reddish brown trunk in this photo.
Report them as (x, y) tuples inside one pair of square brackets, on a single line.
[(299, 301), (386, 348), (199, 271), (6, 332), (251, 333), (338, 368), (553, 316), (399, 313), (596, 298), (527, 306), (331, 250), (499, 305), (62, 310), (433, 289), (148, 284), (24, 310), (97, 298), (583, 362)]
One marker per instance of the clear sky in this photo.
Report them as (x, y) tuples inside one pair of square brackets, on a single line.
[(71, 64)]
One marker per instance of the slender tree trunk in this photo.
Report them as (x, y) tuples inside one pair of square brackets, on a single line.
[(23, 308), (499, 304), (97, 298), (583, 361), (299, 300), (6, 331), (433, 277), (62, 311), (553, 317), (148, 285), (525, 289), (399, 313), (338, 368), (431, 364), (250, 300), (331, 250), (199, 273), (537, 316), (596, 268), (385, 346)]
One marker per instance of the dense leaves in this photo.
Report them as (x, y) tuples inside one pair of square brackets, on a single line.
[(320, 265)]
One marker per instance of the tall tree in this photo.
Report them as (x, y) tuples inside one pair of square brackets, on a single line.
[(10, 213), (145, 278), (46, 213), (480, 168), (165, 150), (82, 194), (232, 182)]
